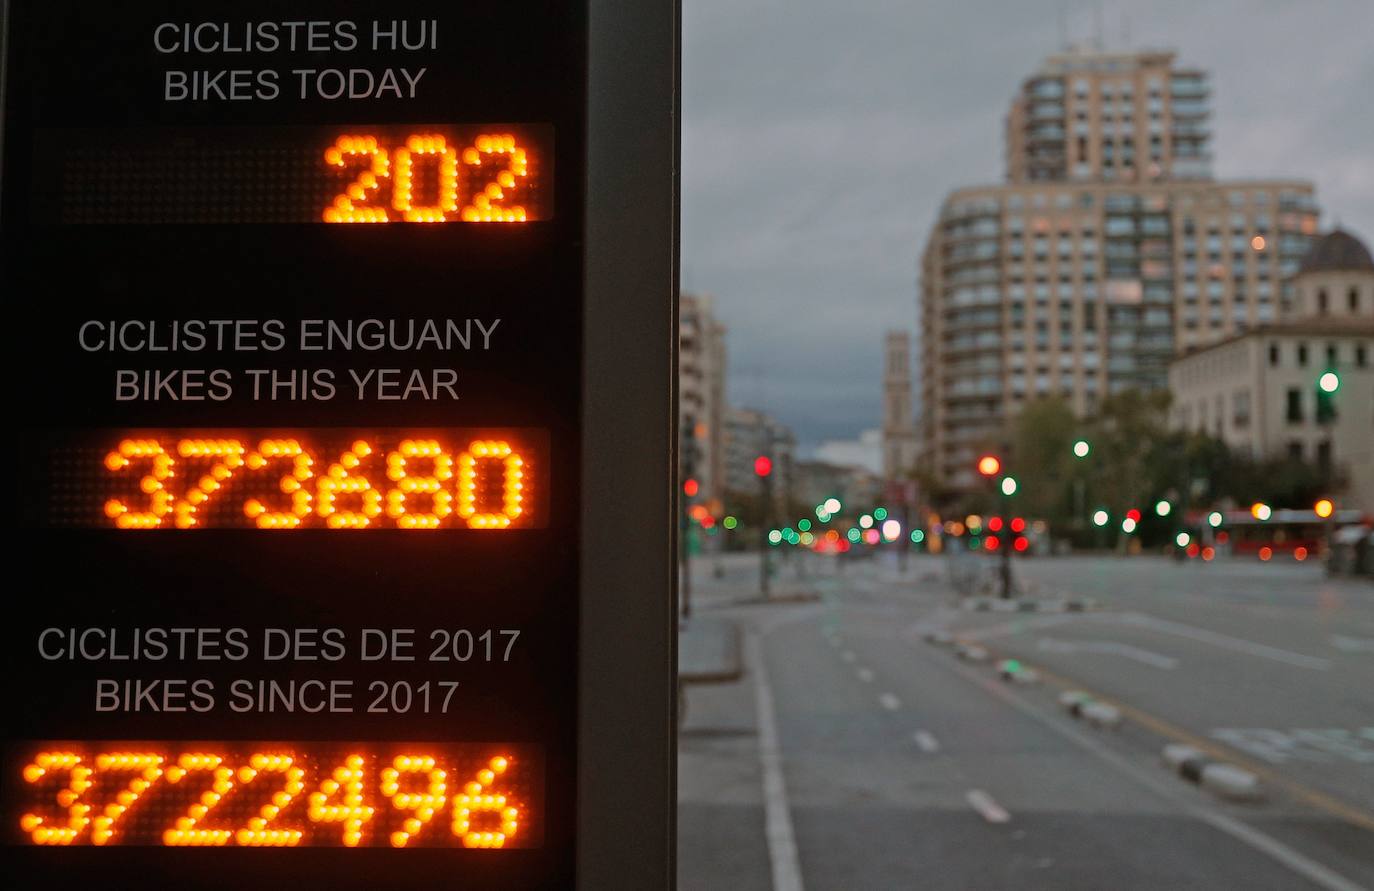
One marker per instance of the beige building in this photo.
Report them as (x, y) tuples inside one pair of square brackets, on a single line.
[(701, 397), (1260, 391), (899, 427), (1105, 253)]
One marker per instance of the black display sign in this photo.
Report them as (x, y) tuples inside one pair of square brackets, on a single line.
[(295, 510)]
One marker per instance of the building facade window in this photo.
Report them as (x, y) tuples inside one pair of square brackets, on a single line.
[(1302, 355), (1294, 408), (1322, 301), (1354, 299), (1274, 355)]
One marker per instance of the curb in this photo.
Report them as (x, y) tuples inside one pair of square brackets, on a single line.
[(1222, 779)]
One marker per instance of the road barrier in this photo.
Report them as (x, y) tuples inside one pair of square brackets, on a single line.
[(1218, 777)]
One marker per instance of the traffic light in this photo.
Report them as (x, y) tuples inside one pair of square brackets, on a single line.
[(1081, 448), (1163, 508), (989, 465), (763, 465), (690, 487), (1327, 385), (1009, 485), (1324, 508), (1261, 511)]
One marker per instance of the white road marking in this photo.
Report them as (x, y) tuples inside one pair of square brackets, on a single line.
[(865, 675), (986, 807), (926, 741), (1297, 862), (1006, 629), (889, 702), (1352, 644), (1109, 647), (1301, 744), (782, 841), (848, 656), (1225, 641)]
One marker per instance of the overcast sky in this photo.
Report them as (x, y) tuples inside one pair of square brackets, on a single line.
[(820, 137)]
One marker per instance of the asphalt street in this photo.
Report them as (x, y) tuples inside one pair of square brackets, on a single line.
[(855, 753)]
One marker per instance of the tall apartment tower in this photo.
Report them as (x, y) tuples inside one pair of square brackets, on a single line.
[(1108, 250), (701, 396), (899, 428)]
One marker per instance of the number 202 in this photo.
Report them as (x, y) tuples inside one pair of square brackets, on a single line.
[(491, 203)]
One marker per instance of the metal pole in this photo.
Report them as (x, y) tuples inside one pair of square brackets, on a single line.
[(766, 492), (1006, 538)]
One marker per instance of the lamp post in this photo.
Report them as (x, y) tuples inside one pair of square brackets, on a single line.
[(763, 469)]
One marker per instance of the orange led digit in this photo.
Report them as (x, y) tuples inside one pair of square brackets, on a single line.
[(512, 488), (423, 805), (148, 768), (409, 483), (230, 455), (291, 484), (257, 833), (346, 783), (159, 499), (475, 799), (403, 194), (184, 831), (343, 480), (480, 208), (344, 210), (43, 830)]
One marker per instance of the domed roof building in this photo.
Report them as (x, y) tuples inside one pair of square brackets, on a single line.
[(1261, 391), (1335, 280), (1337, 250)]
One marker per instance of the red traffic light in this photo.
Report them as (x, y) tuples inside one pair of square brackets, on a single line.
[(1018, 525), (1133, 515), (690, 488), (1021, 543), (992, 543), (995, 524), (989, 465), (763, 465)]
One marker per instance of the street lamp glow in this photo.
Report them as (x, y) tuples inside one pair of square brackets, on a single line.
[(1261, 511), (832, 506), (1008, 485), (1100, 518), (1128, 525), (1163, 508), (892, 530), (1324, 508), (1182, 539), (1329, 382), (1081, 449), (1215, 518), (866, 521)]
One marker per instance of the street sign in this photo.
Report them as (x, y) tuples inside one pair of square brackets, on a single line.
[(315, 312)]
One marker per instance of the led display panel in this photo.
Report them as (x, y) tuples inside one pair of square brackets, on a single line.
[(294, 293)]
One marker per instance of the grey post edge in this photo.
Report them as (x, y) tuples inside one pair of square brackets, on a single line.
[(626, 808)]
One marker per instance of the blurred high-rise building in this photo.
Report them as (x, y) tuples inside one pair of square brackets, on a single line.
[(1109, 250), (701, 398), (750, 433), (899, 428)]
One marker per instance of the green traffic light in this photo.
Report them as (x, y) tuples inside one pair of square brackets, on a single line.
[(730, 522), (1009, 485), (917, 536), (1329, 382), (1081, 448), (804, 525)]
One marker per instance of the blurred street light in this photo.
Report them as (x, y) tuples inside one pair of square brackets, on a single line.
[(1182, 539), (1128, 525), (866, 521), (1081, 448), (892, 530), (832, 506), (1215, 518), (1163, 508), (1261, 511), (989, 465), (1009, 485), (1324, 508), (1329, 382), (1100, 517)]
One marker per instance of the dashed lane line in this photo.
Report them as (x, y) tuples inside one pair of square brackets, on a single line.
[(865, 675), (926, 741), (889, 702)]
